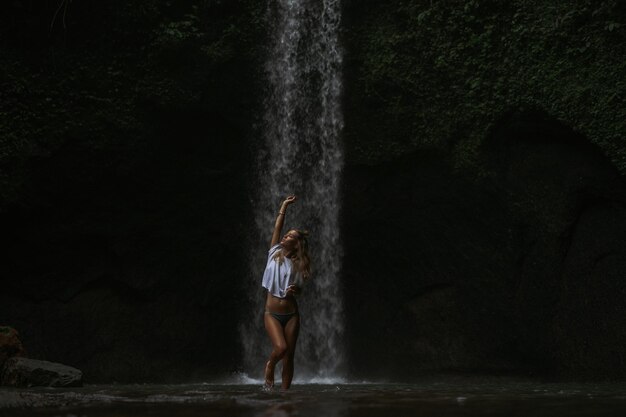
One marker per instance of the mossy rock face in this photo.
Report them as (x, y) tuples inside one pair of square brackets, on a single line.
[(476, 140), (110, 77), (424, 74)]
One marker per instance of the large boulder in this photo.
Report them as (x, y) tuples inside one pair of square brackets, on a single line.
[(24, 372), (10, 344)]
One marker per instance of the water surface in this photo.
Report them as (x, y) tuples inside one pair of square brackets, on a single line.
[(467, 396)]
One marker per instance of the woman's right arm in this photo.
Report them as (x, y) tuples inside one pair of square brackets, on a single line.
[(280, 220)]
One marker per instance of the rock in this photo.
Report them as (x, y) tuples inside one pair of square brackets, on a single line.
[(518, 271), (23, 372), (10, 344)]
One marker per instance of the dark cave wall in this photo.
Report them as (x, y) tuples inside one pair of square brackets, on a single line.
[(481, 212), (124, 183), (519, 272)]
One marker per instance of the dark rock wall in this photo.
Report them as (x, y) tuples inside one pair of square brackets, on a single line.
[(125, 161), (484, 189), (424, 289), (519, 271)]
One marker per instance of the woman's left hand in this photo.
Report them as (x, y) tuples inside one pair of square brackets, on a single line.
[(293, 290)]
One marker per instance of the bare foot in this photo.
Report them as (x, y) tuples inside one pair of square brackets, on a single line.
[(269, 375)]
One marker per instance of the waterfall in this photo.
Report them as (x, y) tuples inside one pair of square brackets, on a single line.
[(301, 155)]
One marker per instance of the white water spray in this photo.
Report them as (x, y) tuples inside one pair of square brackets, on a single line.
[(303, 156)]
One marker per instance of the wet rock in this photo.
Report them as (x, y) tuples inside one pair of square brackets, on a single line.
[(518, 271), (23, 372), (10, 344)]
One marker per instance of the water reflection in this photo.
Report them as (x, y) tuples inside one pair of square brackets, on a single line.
[(279, 410), (432, 398)]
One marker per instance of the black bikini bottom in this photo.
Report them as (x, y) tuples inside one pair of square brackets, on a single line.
[(283, 319)]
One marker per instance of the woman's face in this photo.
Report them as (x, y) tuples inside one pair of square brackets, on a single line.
[(290, 240)]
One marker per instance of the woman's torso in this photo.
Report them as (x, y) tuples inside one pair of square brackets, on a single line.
[(287, 304), (280, 305), (279, 274)]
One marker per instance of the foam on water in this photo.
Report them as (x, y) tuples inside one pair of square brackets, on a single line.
[(244, 379)]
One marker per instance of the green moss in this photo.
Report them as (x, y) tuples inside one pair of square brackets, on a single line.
[(438, 74)]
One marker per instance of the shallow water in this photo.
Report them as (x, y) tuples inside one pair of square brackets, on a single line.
[(449, 396)]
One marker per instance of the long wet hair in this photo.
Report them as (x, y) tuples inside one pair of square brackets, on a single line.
[(301, 261)]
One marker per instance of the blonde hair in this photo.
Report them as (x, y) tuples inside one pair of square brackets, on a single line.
[(301, 260)]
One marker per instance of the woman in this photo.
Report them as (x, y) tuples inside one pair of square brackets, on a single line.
[(288, 267)]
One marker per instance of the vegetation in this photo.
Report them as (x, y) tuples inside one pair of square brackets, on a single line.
[(419, 73), (97, 76), (439, 73)]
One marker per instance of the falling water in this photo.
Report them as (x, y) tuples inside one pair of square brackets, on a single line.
[(302, 155)]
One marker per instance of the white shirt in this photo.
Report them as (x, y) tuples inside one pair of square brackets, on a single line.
[(277, 277)]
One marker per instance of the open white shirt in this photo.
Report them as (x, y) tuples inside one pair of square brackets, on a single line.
[(277, 277)]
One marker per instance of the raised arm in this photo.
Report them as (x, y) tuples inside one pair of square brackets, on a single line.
[(280, 220)]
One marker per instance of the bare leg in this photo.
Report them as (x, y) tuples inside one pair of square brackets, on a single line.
[(291, 337), (279, 347)]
